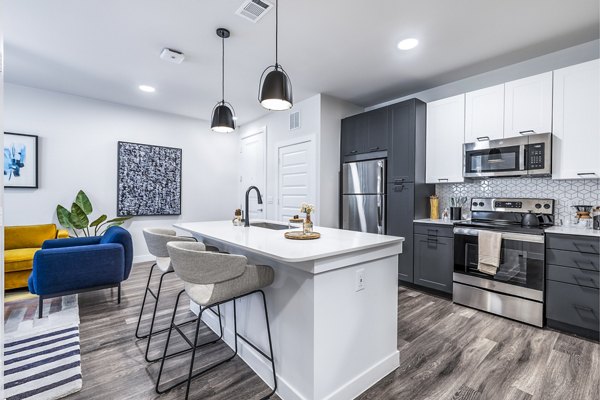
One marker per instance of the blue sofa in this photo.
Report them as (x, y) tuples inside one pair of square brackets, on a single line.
[(67, 266)]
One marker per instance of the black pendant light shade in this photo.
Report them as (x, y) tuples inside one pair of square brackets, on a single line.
[(275, 91), (222, 118), (223, 114)]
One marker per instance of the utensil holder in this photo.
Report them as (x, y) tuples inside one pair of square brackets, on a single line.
[(434, 203), (455, 213)]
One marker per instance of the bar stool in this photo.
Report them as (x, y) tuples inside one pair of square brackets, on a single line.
[(212, 279), (156, 240)]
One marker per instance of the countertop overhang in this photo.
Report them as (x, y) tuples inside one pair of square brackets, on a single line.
[(272, 243)]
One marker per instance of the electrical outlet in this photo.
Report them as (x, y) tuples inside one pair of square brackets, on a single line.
[(360, 280)]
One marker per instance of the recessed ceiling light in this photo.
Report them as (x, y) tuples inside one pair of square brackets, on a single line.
[(147, 88), (408, 44)]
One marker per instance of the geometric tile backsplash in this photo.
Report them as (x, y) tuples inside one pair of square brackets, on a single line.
[(565, 192)]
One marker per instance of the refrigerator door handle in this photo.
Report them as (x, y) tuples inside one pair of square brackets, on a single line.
[(381, 214), (381, 177)]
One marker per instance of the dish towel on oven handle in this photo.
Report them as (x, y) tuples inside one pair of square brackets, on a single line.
[(489, 252)]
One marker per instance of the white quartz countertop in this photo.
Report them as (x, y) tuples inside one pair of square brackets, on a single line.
[(570, 230), (435, 221), (273, 244)]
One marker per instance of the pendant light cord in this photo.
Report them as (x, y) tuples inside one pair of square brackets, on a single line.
[(276, 33), (223, 70)]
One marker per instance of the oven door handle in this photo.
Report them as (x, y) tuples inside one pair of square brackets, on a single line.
[(519, 237)]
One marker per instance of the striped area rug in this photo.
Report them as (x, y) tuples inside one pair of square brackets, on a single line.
[(42, 358)]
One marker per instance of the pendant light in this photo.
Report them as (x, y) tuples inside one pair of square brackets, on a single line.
[(223, 113), (276, 89)]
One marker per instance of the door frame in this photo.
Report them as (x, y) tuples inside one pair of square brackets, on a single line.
[(312, 139), (254, 132)]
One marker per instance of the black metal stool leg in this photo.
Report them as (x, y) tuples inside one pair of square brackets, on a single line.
[(162, 363), (270, 348), (137, 329), (189, 379), (154, 316), (119, 294)]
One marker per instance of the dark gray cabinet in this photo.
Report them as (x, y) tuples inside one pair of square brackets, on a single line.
[(572, 279), (401, 160), (377, 139), (354, 134), (398, 132), (400, 209), (433, 257), (366, 132)]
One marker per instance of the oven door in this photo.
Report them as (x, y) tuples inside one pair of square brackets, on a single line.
[(521, 270), (494, 161)]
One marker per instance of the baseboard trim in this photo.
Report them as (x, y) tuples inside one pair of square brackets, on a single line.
[(368, 378), (143, 258), (252, 358), (262, 367)]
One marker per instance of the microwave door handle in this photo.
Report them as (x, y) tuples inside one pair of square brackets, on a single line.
[(522, 156)]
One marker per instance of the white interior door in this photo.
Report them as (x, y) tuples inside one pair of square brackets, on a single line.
[(296, 178), (253, 173)]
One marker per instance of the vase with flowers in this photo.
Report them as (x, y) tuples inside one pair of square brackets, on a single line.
[(308, 225)]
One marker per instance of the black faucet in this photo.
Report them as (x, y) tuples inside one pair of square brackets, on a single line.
[(247, 220)]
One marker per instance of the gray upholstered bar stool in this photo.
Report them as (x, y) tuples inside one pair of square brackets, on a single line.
[(212, 279), (156, 240)]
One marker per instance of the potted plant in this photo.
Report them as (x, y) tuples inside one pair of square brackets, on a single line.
[(78, 221)]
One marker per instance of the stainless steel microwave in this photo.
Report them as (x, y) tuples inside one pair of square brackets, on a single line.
[(529, 155)]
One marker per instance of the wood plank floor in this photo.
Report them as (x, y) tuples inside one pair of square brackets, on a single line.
[(446, 352)]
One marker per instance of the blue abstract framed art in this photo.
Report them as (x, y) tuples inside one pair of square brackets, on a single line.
[(20, 161)]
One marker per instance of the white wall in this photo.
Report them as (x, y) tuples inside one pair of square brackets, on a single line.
[(333, 111), (278, 131), (548, 62), (320, 121), (78, 150)]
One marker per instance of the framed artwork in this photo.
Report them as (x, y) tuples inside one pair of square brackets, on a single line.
[(20, 161), (148, 180)]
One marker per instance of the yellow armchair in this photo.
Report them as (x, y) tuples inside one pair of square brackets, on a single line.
[(20, 245)]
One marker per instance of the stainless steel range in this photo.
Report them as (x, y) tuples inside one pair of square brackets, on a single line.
[(516, 290)]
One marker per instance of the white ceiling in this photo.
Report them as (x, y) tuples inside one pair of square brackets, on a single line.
[(346, 48)]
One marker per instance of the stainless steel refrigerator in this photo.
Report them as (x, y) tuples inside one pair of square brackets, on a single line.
[(364, 196)]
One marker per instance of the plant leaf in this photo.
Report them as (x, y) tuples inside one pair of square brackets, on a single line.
[(99, 220), (78, 218), (84, 202), (63, 216), (118, 219)]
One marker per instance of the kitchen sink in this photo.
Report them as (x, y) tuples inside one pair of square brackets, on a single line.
[(269, 225)]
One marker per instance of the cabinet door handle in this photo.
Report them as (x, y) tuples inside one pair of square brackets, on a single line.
[(586, 173), (398, 181), (527, 132), (586, 244), (578, 279), (584, 308), (483, 138), (354, 152), (374, 148), (443, 179)]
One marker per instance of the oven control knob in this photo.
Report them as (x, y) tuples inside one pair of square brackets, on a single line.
[(546, 206), (481, 204), (474, 204), (538, 205)]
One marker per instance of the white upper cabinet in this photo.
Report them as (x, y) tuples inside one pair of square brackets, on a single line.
[(484, 118), (528, 105), (445, 138), (576, 125)]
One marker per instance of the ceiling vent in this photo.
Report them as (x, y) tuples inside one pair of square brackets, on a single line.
[(294, 120), (253, 10)]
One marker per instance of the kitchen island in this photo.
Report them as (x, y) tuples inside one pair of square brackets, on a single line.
[(332, 307)]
